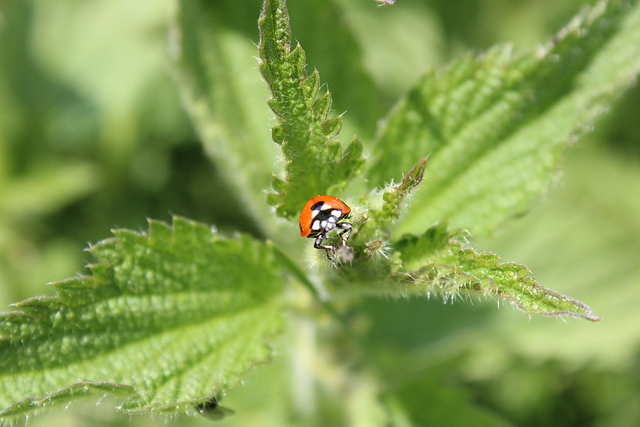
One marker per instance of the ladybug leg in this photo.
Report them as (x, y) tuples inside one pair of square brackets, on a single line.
[(328, 248), (347, 229), (331, 253), (318, 243)]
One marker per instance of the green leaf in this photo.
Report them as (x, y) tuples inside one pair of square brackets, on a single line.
[(315, 161), (496, 125), (383, 208), (439, 262), (214, 66), (169, 317), (394, 197), (589, 248)]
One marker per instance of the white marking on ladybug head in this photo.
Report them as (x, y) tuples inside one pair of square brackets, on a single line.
[(315, 225), (336, 213)]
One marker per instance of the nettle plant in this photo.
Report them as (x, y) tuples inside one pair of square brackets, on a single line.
[(174, 318)]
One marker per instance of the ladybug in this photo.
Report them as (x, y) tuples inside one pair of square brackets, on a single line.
[(320, 215)]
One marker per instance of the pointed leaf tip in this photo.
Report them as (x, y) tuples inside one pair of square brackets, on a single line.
[(315, 160), (395, 196), (413, 178), (440, 261)]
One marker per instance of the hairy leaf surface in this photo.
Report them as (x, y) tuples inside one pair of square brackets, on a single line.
[(440, 262), (496, 125), (168, 317), (315, 160)]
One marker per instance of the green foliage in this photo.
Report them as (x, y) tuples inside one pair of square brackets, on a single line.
[(394, 197), (497, 125), (384, 207), (215, 70), (315, 161), (439, 262), (444, 264), (171, 319), (168, 318)]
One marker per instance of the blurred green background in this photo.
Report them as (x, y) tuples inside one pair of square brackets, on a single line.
[(93, 136)]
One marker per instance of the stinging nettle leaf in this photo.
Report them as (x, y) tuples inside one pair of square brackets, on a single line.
[(315, 162), (385, 207), (394, 196), (169, 317), (496, 126), (440, 262)]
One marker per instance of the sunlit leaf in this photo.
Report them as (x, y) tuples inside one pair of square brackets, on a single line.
[(316, 163), (167, 318), (496, 125)]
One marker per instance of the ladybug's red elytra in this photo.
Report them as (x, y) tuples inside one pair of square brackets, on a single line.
[(320, 215)]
